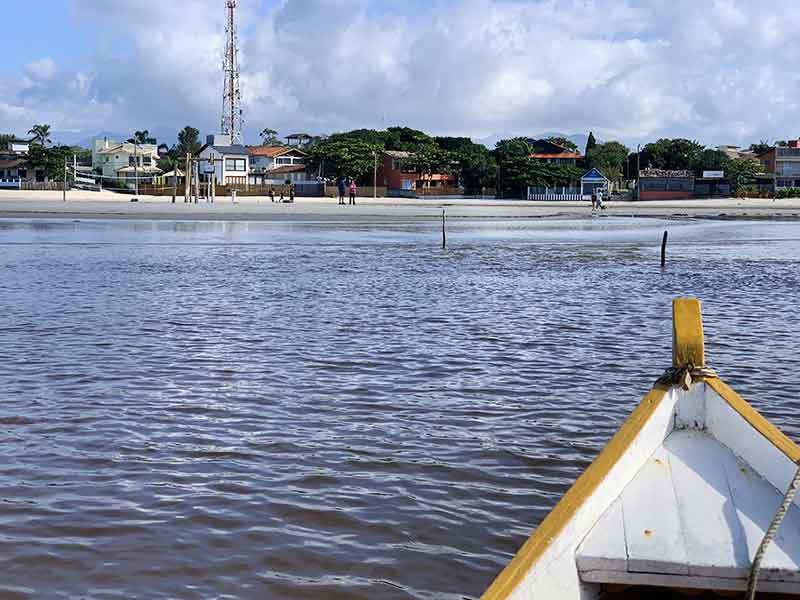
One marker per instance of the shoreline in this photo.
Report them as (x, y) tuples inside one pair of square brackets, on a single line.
[(106, 205)]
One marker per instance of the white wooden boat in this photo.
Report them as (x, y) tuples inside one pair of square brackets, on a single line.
[(680, 498)]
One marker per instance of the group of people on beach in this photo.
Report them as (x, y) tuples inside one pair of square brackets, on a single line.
[(347, 184), (291, 194)]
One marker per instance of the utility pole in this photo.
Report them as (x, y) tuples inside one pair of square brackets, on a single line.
[(638, 167), (136, 170), (187, 181), (213, 161), (375, 175), (65, 179), (174, 179), (196, 169)]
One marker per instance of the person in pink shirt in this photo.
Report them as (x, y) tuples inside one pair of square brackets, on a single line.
[(353, 190)]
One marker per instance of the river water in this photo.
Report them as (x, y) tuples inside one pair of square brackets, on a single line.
[(234, 410)]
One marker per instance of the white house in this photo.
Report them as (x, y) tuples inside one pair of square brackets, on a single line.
[(276, 164), (115, 160), (231, 162)]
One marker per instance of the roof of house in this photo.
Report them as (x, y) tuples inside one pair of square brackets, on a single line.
[(565, 154), (12, 163), (397, 153), (238, 149), (271, 151), (299, 136), (286, 169), (594, 174), (130, 148), (139, 170)]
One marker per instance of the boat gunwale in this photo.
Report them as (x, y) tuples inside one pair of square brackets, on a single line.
[(687, 331)]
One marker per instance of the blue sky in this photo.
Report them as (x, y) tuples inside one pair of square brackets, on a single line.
[(635, 70)]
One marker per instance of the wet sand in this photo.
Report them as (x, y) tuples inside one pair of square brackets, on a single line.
[(107, 205)]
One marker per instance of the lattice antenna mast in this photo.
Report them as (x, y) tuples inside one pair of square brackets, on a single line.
[(232, 116)]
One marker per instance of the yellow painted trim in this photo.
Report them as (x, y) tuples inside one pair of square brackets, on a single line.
[(530, 552), (687, 333), (774, 435)]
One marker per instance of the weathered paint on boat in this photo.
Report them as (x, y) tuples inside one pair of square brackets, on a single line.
[(546, 566)]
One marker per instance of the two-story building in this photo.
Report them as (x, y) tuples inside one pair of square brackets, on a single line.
[(548, 152), (15, 168), (124, 161), (231, 162), (397, 171), (784, 163), (277, 164)]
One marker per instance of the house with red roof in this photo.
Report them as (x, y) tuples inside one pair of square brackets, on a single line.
[(547, 151), (277, 164)]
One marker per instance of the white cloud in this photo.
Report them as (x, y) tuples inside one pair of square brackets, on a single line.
[(42, 69), (721, 71)]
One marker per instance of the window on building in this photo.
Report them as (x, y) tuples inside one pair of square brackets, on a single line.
[(23, 173), (235, 164), (283, 161), (131, 161), (147, 160)]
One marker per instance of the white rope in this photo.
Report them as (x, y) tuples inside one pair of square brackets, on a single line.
[(770, 535)]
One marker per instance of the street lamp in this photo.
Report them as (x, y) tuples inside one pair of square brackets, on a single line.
[(375, 175)]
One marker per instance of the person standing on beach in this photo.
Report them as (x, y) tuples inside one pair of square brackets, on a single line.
[(342, 188), (594, 201), (291, 192), (353, 190), (271, 193)]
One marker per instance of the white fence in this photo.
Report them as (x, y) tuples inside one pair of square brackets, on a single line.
[(12, 184), (555, 196)]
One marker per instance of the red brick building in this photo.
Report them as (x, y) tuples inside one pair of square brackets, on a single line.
[(397, 172)]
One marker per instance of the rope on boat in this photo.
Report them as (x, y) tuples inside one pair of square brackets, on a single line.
[(770, 535), (685, 376)]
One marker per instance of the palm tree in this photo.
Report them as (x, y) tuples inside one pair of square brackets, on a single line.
[(141, 137), (41, 134)]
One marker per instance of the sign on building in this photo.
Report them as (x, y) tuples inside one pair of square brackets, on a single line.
[(713, 174)]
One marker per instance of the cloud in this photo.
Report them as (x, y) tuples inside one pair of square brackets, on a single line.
[(720, 71), (42, 69)]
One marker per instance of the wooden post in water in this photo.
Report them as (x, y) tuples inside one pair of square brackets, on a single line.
[(444, 233), (664, 250)]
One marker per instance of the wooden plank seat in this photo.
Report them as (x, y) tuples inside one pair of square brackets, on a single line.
[(692, 517)]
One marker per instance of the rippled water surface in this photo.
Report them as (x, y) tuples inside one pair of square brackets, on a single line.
[(203, 410)]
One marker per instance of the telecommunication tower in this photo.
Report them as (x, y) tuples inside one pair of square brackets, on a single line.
[(232, 116)]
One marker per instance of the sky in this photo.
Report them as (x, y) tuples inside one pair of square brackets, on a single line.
[(719, 71)]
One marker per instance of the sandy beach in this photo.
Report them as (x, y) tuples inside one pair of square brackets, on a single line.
[(108, 205)]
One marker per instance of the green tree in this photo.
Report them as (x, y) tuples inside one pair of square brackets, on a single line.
[(6, 139), (188, 142), (609, 158), (591, 143), (336, 158), (761, 147), (41, 134), (672, 154), (711, 160), (50, 160), (369, 136), (269, 137), (405, 138), (740, 171), (141, 137)]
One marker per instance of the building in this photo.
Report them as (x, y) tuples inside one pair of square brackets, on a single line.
[(661, 184), (299, 140), (548, 152), (15, 168), (276, 164), (396, 171), (784, 163), (231, 164), (124, 161), (594, 182)]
